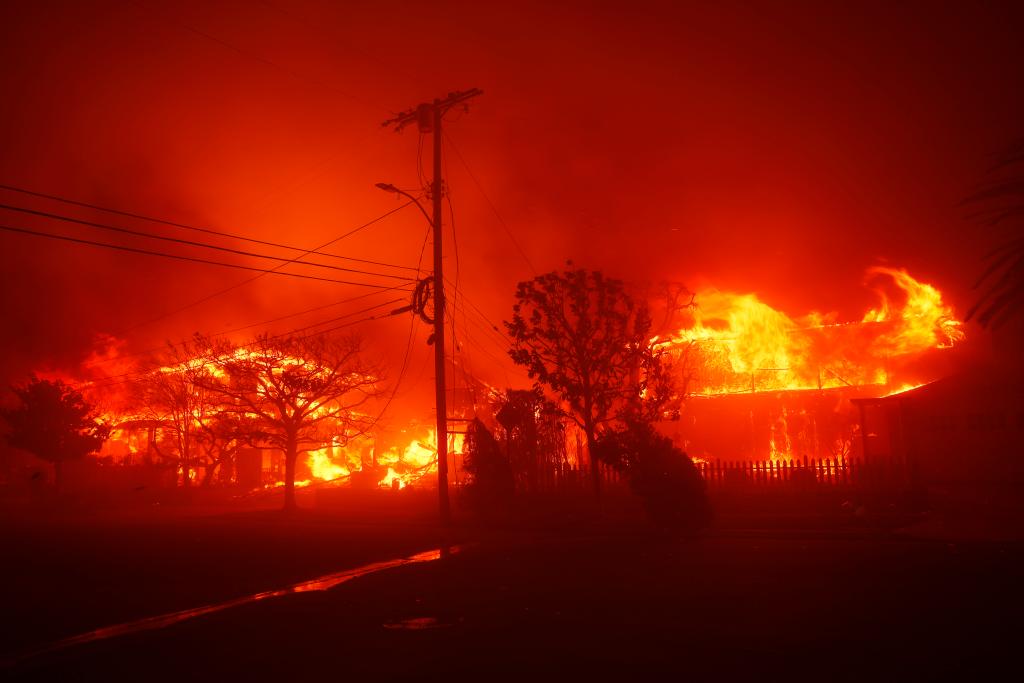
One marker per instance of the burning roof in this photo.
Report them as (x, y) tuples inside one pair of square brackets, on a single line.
[(736, 343)]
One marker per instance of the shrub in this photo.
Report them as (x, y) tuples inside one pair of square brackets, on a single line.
[(663, 476)]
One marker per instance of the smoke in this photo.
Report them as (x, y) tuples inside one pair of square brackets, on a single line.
[(774, 150)]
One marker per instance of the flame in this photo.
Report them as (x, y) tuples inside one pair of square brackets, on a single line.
[(416, 462), (736, 343), (731, 343), (923, 322), (389, 480), (905, 387), (323, 468)]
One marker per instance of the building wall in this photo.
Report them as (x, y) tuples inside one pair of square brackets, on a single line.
[(966, 429)]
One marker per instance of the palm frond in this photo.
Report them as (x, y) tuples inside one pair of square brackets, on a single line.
[(1000, 201)]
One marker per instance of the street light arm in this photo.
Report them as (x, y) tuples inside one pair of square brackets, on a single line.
[(388, 187)]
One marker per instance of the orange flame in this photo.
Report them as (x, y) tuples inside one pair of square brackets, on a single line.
[(736, 343)]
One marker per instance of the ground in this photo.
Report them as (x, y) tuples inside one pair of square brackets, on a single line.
[(607, 600)]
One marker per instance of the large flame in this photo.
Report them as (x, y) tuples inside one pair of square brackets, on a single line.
[(737, 343)]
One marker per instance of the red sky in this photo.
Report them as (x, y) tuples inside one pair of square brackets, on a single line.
[(772, 147)]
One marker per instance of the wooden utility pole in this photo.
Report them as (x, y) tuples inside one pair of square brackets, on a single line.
[(429, 117)]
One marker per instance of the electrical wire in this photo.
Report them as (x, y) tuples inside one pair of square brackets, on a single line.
[(410, 340), (342, 317), (180, 257), (126, 377), (191, 243), (490, 327), (249, 326), (494, 209), (458, 272), (237, 285), (186, 226)]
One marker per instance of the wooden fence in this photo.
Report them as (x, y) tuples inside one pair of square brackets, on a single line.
[(876, 472), (798, 473), (571, 478)]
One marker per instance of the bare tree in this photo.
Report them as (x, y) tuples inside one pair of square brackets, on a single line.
[(299, 392), (220, 439), (177, 396)]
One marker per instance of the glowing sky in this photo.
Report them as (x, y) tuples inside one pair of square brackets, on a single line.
[(772, 148)]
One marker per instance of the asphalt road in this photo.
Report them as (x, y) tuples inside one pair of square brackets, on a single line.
[(612, 605)]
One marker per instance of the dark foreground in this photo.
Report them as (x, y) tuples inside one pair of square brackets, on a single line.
[(613, 605)]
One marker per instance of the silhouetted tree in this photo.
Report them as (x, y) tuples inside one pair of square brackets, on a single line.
[(659, 473), (297, 391), (54, 423), (491, 483), (220, 438), (583, 337), (1001, 202), (178, 395), (534, 434)]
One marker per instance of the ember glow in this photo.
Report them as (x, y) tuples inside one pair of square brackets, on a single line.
[(736, 343)]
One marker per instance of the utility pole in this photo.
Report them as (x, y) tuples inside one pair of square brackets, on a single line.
[(429, 116)]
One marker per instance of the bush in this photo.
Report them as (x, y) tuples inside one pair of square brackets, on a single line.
[(663, 476)]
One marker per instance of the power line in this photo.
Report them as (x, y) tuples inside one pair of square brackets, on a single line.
[(191, 243), (470, 322), (186, 226), (458, 274), (501, 364), (237, 285), (124, 378), (180, 257), (249, 326), (410, 340), (310, 310), (494, 209), (490, 325), (362, 296), (342, 317)]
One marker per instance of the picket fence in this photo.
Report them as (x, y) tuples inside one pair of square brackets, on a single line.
[(795, 473)]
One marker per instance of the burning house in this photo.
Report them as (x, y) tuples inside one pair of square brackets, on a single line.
[(760, 385), (757, 385), (169, 428)]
